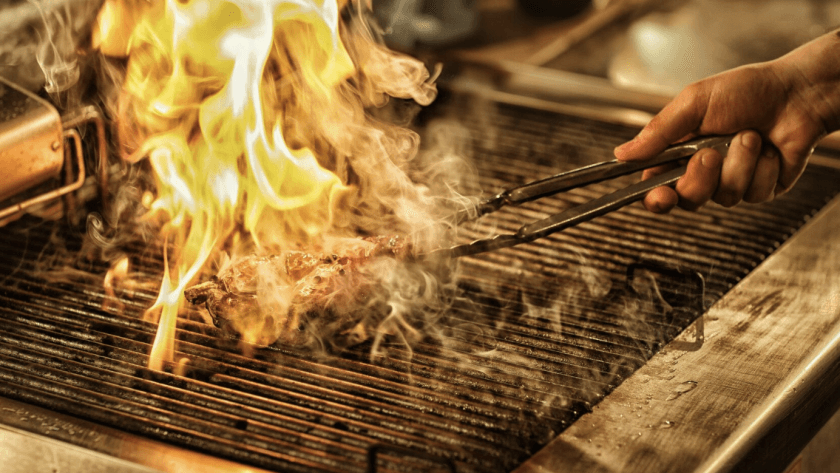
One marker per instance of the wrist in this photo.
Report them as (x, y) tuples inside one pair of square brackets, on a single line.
[(811, 73)]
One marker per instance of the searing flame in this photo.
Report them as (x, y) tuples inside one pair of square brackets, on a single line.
[(248, 111)]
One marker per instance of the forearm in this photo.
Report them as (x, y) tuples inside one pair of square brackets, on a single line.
[(813, 72)]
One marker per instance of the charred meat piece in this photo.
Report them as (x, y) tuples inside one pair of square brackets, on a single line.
[(301, 298)]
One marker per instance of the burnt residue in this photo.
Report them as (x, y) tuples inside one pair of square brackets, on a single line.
[(759, 307), (765, 304)]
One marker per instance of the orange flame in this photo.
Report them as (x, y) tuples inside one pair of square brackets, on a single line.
[(227, 100)]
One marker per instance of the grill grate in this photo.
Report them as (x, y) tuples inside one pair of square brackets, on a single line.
[(536, 335)]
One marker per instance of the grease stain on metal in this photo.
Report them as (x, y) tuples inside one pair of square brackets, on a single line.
[(681, 389)]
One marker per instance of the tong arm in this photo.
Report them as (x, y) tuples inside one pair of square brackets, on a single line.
[(589, 210), (568, 218), (592, 174)]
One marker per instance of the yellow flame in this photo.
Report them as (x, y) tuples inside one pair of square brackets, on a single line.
[(202, 84), (254, 118)]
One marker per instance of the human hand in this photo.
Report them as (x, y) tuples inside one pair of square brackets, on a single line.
[(773, 109)]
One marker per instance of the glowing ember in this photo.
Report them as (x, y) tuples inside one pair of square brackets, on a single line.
[(253, 117)]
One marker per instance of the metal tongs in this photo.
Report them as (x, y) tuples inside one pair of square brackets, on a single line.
[(578, 178)]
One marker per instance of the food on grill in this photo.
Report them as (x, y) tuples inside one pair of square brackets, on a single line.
[(299, 298)]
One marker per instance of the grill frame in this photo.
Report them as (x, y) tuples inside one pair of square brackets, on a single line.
[(361, 452), (748, 418)]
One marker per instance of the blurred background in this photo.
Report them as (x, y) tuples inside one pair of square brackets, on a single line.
[(647, 45), (657, 46)]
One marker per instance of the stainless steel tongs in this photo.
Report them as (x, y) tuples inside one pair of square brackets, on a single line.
[(577, 178)]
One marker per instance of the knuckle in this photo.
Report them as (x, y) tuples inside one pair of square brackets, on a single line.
[(693, 90), (694, 94)]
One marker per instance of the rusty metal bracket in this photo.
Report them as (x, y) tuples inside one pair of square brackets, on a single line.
[(375, 450), (69, 186), (33, 136), (700, 295), (90, 115)]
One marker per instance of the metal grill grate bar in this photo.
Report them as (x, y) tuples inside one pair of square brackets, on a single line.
[(535, 335)]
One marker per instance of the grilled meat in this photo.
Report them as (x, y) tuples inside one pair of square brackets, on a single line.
[(301, 298)]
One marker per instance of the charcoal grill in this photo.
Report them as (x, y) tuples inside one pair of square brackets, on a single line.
[(546, 344)]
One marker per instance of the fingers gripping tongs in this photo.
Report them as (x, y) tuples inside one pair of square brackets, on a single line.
[(578, 178)]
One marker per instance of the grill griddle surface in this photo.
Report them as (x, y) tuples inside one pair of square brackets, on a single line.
[(536, 334)]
